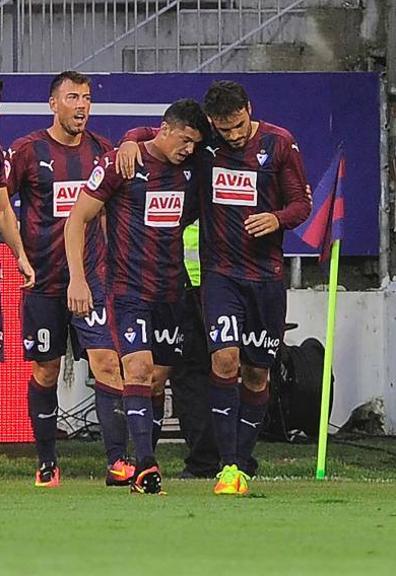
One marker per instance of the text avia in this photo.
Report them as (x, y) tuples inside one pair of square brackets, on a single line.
[(163, 209), (234, 187), (65, 196)]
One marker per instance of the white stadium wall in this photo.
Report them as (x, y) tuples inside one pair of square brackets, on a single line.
[(364, 363)]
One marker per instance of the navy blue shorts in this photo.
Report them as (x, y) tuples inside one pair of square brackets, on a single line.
[(46, 321), (249, 315), (152, 326)]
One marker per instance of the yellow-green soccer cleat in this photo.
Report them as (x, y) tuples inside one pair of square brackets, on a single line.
[(243, 487), (228, 480)]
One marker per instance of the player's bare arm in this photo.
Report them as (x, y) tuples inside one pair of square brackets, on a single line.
[(9, 231), (79, 296), (127, 156)]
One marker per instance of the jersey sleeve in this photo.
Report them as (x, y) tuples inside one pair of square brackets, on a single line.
[(140, 134), (17, 160), (103, 181), (292, 182)]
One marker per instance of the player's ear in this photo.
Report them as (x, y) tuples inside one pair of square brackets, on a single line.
[(52, 104), (165, 128), (249, 108)]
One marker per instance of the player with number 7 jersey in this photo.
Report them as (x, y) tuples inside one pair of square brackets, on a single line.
[(145, 220)]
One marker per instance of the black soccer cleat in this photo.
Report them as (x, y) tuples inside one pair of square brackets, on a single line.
[(147, 478)]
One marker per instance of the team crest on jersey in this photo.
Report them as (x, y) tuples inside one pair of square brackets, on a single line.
[(187, 175), (262, 157), (96, 178), (65, 196), (163, 209), (234, 187)]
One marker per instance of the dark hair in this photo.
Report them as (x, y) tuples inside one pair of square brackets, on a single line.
[(188, 113), (71, 75), (224, 98)]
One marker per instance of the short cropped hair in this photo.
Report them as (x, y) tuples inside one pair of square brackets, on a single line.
[(71, 75), (224, 98), (188, 112)]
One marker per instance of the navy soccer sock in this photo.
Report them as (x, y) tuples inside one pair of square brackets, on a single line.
[(158, 416), (139, 412), (110, 412), (224, 403), (43, 412), (253, 407)]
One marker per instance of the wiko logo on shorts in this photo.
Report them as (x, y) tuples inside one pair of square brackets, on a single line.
[(163, 209), (238, 187), (94, 318), (262, 340), (65, 196), (165, 336)]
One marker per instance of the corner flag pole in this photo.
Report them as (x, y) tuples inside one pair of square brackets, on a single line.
[(328, 359)]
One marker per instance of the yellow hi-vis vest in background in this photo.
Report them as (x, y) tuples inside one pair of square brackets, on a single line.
[(191, 253)]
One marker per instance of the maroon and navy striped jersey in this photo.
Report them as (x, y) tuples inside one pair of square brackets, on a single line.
[(3, 179), (145, 219), (48, 177), (267, 175)]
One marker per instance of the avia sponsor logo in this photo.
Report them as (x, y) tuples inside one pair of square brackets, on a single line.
[(165, 336), (65, 196), (262, 340), (238, 187), (94, 318), (163, 209)]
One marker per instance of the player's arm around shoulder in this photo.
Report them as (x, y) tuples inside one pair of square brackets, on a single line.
[(128, 153), (296, 197)]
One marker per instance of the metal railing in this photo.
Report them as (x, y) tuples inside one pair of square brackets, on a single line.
[(138, 35)]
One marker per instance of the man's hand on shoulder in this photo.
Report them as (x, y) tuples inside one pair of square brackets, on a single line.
[(127, 156)]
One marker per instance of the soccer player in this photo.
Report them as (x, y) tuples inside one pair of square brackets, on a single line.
[(145, 219), (10, 234), (48, 169), (253, 187)]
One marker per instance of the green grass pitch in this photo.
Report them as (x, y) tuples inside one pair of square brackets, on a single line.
[(289, 524)]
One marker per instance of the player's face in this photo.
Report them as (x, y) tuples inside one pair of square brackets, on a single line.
[(71, 104), (179, 142), (236, 128)]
